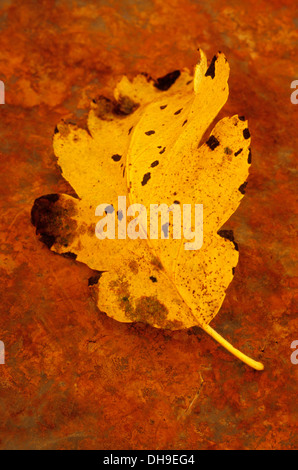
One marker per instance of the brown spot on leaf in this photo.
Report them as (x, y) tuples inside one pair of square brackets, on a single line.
[(211, 69), (174, 325), (52, 218), (246, 133), (229, 235), (116, 157), (109, 209), (212, 142), (165, 82), (157, 263), (228, 151), (69, 254), (150, 310), (104, 108), (95, 278), (242, 187), (125, 105), (133, 266), (146, 178)]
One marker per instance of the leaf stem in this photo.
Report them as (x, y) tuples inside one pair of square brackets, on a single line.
[(247, 360)]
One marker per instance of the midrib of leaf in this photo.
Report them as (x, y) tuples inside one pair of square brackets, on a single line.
[(206, 327)]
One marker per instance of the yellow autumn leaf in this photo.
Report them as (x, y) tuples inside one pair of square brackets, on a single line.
[(146, 146)]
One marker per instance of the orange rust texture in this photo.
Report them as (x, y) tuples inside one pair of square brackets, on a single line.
[(75, 379)]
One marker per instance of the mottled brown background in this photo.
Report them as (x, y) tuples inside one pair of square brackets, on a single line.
[(75, 379)]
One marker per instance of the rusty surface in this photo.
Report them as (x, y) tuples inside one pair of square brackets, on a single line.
[(75, 379)]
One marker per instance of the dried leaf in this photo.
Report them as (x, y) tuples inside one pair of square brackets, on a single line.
[(146, 145)]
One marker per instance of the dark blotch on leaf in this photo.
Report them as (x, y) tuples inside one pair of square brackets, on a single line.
[(212, 142), (150, 132), (156, 263), (109, 209), (238, 152), (178, 112), (105, 108), (249, 157), (41, 213), (70, 255), (125, 106), (163, 150), (94, 279), (164, 83), (150, 310), (184, 122), (146, 178), (242, 187), (228, 235), (49, 197), (153, 164), (116, 157), (246, 134), (164, 106), (165, 229), (48, 240), (153, 278), (228, 151), (242, 118), (53, 220), (211, 69)]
